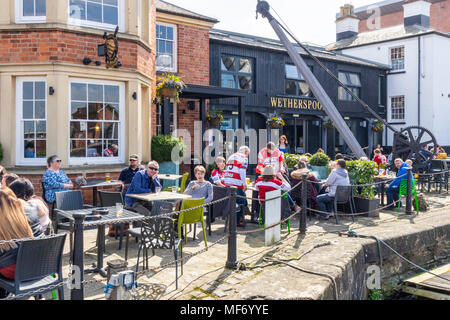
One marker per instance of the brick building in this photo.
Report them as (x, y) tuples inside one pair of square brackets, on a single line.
[(58, 97)]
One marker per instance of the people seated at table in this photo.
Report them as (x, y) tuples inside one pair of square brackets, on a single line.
[(13, 225), (270, 155), (144, 181), (200, 188), (379, 158), (35, 208), (297, 177), (338, 177), (236, 176), (392, 190), (217, 175), (127, 174), (55, 179), (283, 145), (8, 179)]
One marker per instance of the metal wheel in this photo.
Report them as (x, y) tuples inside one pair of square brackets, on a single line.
[(410, 143)]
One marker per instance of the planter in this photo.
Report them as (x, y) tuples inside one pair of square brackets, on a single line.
[(169, 168), (169, 92), (321, 171), (214, 122), (366, 205), (275, 125)]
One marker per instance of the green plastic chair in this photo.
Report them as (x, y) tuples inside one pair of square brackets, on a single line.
[(182, 185), (403, 192), (191, 217)]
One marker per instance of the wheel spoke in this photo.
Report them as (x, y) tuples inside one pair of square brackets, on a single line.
[(420, 135), (423, 144)]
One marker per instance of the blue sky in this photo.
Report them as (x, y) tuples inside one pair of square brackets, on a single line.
[(310, 20)]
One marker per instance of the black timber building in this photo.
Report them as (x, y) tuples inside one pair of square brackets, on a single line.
[(263, 68)]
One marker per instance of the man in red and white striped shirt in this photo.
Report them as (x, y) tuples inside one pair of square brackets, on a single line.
[(236, 176), (270, 155)]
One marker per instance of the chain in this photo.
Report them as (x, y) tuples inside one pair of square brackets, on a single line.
[(356, 214), (35, 292), (15, 241)]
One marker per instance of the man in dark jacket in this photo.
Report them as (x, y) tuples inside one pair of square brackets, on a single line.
[(127, 174), (393, 189)]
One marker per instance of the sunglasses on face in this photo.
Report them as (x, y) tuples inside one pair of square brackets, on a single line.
[(58, 161), (132, 160), (154, 169)]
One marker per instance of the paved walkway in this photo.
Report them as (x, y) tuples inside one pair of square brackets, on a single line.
[(205, 277)]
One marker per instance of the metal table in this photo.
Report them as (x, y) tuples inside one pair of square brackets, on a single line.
[(169, 177), (386, 180), (109, 219), (97, 184), (162, 196)]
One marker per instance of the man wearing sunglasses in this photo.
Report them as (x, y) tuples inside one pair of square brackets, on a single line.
[(144, 181), (127, 174)]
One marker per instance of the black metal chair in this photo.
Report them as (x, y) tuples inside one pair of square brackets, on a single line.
[(67, 200), (158, 208), (344, 195), (38, 261), (439, 177), (159, 233), (110, 199)]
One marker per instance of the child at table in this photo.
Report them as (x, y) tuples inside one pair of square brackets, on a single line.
[(200, 188), (218, 174)]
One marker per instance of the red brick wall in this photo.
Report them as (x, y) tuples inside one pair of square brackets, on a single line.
[(62, 46), (439, 18)]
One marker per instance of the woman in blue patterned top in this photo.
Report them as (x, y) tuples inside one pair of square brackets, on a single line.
[(54, 179)]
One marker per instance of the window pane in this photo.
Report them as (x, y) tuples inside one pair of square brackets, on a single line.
[(95, 111), (40, 7), (78, 148), (111, 131), (78, 130), (95, 93), (292, 72), (111, 94), (27, 110), (228, 81), (39, 110), (354, 79), (343, 78), (109, 146), (110, 15), (228, 63), (41, 129), (245, 83), (41, 149), (94, 130), (29, 151), (39, 92), (169, 33), (78, 92), (169, 47), (303, 88), (111, 112), (79, 110), (94, 148), (28, 8), (161, 46), (28, 129), (291, 87), (110, 2), (94, 12), (162, 32), (245, 66), (78, 9), (28, 90)]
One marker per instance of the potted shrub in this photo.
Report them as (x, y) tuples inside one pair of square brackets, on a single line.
[(275, 121), (215, 117), (363, 172), (291, 160), (162, 147), (319, 163), (378, 126), (169, 86)]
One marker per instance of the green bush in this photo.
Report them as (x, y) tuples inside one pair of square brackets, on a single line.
[(319, 160), (362, 172), (291, 159), (162, 147), (1, 153)]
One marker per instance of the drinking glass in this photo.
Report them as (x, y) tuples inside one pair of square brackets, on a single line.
[(174, 189), (107, 177), (119, 208), (158, 189), (248, 181)]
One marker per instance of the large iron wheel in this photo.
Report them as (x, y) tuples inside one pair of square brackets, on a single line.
[(410, 144)]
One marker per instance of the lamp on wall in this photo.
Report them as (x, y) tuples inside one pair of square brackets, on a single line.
[(191, 105), (134, 95), (51, 91), (86, 61)]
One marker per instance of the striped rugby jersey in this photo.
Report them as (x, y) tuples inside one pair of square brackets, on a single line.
[(236, 171), (217, 176), (275, 160)]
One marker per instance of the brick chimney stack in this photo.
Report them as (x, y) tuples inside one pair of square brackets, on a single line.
[(347, 23)]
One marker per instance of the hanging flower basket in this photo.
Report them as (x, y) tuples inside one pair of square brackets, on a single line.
[(169, 86), (275, 125), (214, 118), (329, 124), (276, 122), (378, 126)]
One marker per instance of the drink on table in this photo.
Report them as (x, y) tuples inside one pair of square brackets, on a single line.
[(108, 177), (119, 208), (248, 181), (174, 189), (158, 189)]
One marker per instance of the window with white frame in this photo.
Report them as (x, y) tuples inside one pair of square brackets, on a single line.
[(30, 11), (101, 14), (31, 115), (398, 58), (166, 47), (96, 122), (398, 108), (353, 82)]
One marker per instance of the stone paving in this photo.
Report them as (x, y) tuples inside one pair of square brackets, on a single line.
[(205, 276)]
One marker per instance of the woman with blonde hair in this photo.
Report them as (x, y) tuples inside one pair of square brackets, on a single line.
[(13, 225), (283, 145)]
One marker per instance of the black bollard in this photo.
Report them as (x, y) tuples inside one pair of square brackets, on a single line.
[(408, 208), (304, 204), (78, 257), (232, 240)]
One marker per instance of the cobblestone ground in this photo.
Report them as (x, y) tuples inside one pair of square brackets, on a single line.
[(205, 276)]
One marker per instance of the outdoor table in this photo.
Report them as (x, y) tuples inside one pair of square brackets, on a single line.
[(108, 219), (99, 183), (162, 196), (385, 180), (169, 177)]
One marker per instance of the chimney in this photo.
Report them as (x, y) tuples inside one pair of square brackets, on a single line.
[(347, 23), (417, 12)]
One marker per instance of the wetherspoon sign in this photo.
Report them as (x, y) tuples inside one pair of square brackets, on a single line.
[(295, 103)]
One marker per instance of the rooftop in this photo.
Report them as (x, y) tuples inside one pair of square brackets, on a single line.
[(165, 7), (272, 44)]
